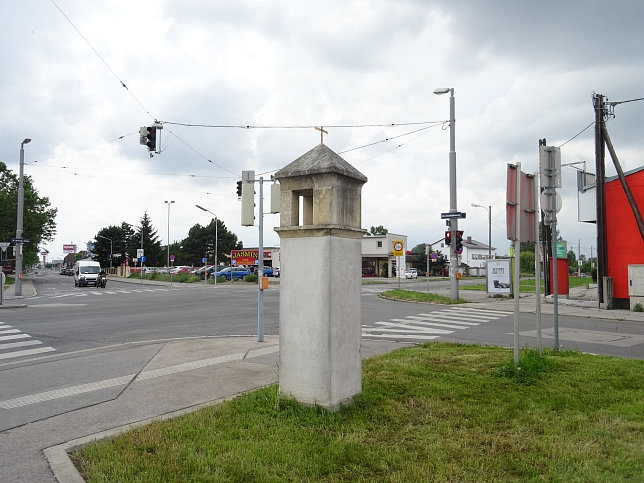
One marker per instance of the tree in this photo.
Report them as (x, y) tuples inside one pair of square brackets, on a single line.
[(200, 243), (38, 218), (114, 240), (147, 237), (572, 261), (377, 230)]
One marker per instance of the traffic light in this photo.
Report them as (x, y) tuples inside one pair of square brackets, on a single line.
[(459, 240), (152, 138), (448, 238), (239, 189)]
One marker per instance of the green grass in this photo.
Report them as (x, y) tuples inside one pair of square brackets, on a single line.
[(529, 284), (440, 412), (414, 296)]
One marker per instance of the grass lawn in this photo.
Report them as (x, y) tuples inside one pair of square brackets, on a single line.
[(528, 284), (437, 412), (414, 296)]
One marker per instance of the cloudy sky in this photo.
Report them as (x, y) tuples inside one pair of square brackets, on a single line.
[(79, 78)]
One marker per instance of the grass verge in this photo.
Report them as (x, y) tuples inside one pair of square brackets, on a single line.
[(413, 296), (440, 412)]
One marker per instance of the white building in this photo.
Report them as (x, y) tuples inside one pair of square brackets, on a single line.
[(472, 259)]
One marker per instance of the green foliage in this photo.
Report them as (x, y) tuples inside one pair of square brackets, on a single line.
[(531, 368), (250, 278), (638, 308), (438, 412), (200, 242), (527, 262), (38, 217), (377, 230), (420, 297)]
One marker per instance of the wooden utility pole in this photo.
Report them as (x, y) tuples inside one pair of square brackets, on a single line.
[(600, 184)]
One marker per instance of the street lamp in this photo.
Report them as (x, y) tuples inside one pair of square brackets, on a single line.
[(453, 222), (168, 203), (216, 237), (489, 229), (19, 226), (111, 247)]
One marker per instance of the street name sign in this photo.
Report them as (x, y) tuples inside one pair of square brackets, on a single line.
[(456, 214)]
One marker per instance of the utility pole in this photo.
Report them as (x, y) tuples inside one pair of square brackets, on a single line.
[(600, 183)]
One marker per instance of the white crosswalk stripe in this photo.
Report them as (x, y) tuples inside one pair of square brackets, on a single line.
[(428, 326), (11, 338), (100, 293)]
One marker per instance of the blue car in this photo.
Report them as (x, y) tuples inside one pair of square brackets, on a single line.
[(232, 273)]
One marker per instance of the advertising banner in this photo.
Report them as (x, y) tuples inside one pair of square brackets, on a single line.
[(69, 248), (499, 276), (246, 257)]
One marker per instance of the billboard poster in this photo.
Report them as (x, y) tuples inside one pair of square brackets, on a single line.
[(499, 276), (69, 248), (246, 257)]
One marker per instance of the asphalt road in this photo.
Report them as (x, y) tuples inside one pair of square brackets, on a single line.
[(72, 337)]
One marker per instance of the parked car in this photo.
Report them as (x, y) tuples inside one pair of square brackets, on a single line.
[(267, 271), (232, 273), (411, 273), (276, 271)]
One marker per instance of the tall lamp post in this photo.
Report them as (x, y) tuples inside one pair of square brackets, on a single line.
[(489, 228), (216, 238), (19, 226), (453, 222), (168, 203)]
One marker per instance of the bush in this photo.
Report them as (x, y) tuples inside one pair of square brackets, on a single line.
[(638, 308), (250, 278)]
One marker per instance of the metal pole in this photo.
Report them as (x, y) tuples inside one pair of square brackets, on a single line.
[(537, 265), (555, 258), (517, 262), (216, 238), (19, 223), (260, 270), (452, 197), (489, 233)]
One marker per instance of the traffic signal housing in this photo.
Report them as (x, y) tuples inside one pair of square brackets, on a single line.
[(448, 238), (239, 190), (459, 239), (152, 138)]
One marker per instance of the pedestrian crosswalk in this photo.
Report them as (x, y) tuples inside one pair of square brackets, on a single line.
[(15, 343), (92, 293), (431, 325)]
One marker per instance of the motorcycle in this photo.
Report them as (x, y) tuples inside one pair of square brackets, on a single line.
[(101, 281)]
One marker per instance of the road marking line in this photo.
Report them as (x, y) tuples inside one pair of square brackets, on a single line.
[(437, 324), (412, 328), (12, 345), (452, 317), (401, 336), (17, 336), (122, 380), (27, 352), (458, 313), (10, 331), (425, 318), (502, 313)]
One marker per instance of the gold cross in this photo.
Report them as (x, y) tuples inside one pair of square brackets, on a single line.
[(322, 133)]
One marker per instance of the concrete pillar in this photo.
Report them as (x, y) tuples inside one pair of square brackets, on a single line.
[(320, 279)]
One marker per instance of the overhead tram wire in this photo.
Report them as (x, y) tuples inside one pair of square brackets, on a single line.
[(334, 126), (102, 60)]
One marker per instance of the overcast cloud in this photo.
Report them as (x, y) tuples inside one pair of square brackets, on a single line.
[(521, 71)]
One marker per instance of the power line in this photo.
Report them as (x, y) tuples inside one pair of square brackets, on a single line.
[(334, 126), (102, 59)]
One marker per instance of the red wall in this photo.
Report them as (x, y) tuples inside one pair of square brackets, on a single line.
[(623, 240)]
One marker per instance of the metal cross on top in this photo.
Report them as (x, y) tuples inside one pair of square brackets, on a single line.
[(322, 133)]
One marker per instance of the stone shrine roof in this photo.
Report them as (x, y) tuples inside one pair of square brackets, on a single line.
[(320, 159)]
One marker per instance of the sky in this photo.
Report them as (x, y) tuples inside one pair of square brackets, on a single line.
[(79, 78)]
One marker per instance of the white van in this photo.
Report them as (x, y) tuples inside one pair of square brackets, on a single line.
[(86, 272)]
